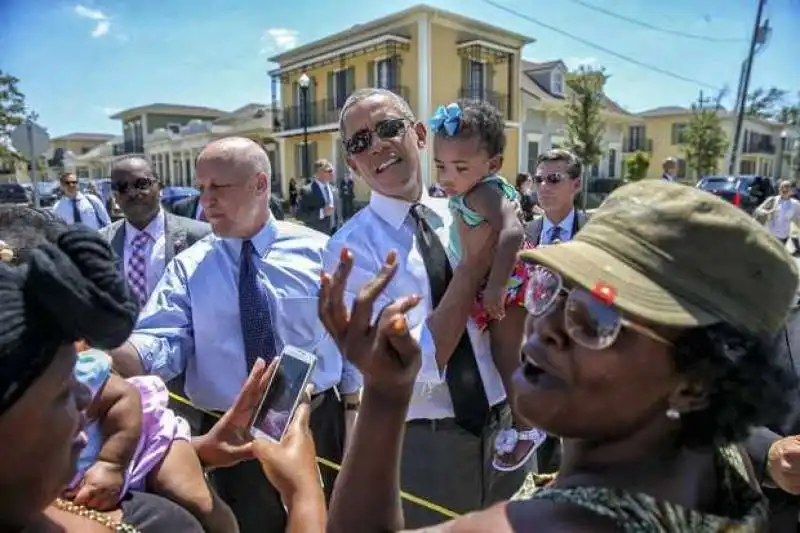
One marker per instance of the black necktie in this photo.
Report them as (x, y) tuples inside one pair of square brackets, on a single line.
[(555, 234), (254, 312), (462, 375), (76, 213)]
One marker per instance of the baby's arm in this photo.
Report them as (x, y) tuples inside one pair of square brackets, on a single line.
[(501, 214), (118, 409)]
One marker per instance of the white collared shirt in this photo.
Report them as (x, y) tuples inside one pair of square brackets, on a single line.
[(565, 226), (155, 251), (327, 192), (386, 225), (92, 211)]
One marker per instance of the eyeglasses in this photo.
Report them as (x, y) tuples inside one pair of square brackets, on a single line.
[(141, 184), (70, 183), (385, 129), (589, 319), (552, 179)]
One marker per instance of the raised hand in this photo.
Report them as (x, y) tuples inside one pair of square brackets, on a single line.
[(384, 351)]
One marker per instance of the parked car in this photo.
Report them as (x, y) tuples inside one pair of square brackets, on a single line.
[(48, 192), (747, 192), (13, 193)]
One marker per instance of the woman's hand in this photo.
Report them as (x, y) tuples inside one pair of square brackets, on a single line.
[(229, 441), (383, 351), (291, 464)]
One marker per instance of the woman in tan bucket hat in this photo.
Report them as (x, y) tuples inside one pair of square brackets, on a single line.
[(647, 351)]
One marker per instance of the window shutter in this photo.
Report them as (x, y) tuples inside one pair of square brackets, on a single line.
[(351, 81), (298, 161), (331, 92), (488, 86), (371, 74), (395, 71), (465, 77), (312, 156)]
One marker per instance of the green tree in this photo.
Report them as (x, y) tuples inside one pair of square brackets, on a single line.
[(765, 103), (636, 166), (705, 141), (12, 113), (585, 125)]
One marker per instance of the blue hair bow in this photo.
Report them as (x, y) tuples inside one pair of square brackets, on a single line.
[(447, 119)]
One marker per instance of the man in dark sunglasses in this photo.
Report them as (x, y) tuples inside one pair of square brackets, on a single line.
[(75, 207)]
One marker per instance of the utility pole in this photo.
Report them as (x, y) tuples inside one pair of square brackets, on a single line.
[(759, 35)]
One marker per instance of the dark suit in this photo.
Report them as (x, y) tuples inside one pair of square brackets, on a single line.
[(188, 207), (548, 455), (784, 507), (180, 233), (312, 200)]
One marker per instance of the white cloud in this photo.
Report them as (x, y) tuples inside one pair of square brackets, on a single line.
[(101, 20), (275, 40), (575, 62)]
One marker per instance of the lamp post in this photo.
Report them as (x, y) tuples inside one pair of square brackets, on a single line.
[(781, 150), (304, 82)]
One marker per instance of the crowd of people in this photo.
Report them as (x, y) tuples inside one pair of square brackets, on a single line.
[(487, 348)]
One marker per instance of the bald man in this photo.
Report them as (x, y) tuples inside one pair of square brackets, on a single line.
[(243, 294)]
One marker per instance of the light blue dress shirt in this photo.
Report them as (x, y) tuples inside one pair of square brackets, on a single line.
[(191, 321)]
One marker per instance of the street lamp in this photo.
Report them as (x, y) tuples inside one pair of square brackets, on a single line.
[(304, 82), (781, 150)]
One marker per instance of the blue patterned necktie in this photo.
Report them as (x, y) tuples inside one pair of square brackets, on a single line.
[(254, 312)]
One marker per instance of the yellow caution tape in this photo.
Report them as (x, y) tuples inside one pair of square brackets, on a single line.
[(335, 466)]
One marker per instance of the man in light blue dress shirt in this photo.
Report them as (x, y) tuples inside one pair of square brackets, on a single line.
[(192, 321)]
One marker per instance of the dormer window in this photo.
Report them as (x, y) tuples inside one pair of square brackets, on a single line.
[(557, 83)]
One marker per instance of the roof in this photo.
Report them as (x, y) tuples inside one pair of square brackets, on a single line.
[(345, 37), (247, 112), (665, 111), (99, 137), (533, 88), (172, 109)]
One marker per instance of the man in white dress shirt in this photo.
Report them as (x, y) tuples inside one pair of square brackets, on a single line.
[(448, 444), (243, 293), (75, 207), (670, 167)]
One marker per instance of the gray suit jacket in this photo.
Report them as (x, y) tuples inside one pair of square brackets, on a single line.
[(180, 234), (533, 229)]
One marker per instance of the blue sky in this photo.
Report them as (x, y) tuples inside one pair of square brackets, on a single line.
[(81, 61)]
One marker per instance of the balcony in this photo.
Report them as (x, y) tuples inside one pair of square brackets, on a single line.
[(498, 100), (636, 144), (763, 146), (320, 112), (128, 147)]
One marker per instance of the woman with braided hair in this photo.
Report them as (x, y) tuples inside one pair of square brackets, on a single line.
[(59, 285)]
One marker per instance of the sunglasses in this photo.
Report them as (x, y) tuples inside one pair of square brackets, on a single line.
[(385, 130), (141, 184), (551, 179), (589, 319), (70, 183)]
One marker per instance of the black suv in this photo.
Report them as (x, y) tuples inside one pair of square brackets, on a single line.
[(747, 192), (13, 193)]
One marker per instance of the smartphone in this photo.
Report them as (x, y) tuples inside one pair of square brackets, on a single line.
[(280, 400)]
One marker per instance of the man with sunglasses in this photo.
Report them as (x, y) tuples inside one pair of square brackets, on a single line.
[(459, 403), (75, 207), (557, 180), (318, 199)]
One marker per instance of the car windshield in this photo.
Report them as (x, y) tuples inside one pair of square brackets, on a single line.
[(719, 184)]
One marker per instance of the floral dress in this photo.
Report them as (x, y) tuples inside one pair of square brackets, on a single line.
[(739, 509), (515, 289)]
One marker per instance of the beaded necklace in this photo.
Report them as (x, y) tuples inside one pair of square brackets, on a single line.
[(118, 526)]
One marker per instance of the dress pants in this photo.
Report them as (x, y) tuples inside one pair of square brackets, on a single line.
[(255, 502)]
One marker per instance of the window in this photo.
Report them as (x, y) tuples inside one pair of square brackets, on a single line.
[(174, 128), (612, 163), (747, 167), (557, 83), (635, 138), (303, 162), (383, 74), (681, 168), (476, 81), (679, 133), (340, 87), (533, 156)]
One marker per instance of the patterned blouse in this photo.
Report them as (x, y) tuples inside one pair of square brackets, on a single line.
[(740, 508)]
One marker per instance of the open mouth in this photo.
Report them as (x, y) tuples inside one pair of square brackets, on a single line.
[(532, 371), (393, 160)]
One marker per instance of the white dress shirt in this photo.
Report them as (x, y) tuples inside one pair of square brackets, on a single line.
[(384, 225), (565, 227), (155, 250), (785, 211), (93, 212), (327, 193)]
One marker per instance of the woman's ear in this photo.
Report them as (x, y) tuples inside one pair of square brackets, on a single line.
[(690, 395)]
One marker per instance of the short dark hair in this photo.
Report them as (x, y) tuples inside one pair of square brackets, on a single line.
[(747, 385), (522, 177), (482, 120), (574, 166), (65, 175)]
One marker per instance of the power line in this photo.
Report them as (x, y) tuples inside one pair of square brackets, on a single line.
[(602, 48), (653, 27)]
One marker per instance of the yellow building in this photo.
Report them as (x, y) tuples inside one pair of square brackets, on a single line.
[(426, 55), (662, 131)]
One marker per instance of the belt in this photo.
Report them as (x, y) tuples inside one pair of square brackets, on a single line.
[(495, 412), (316, 400)]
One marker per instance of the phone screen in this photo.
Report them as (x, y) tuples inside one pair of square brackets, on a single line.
[(282, 395)]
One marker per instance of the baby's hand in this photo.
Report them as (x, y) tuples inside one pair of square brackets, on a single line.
[(494, 302), (101, 486)]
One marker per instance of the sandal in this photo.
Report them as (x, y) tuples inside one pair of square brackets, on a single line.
[(507, 442)]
